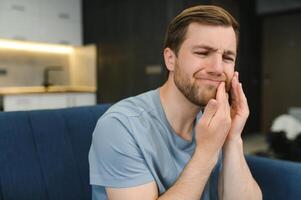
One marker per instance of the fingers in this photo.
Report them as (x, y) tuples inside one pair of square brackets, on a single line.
[(220, 94), (220, 105), (243, 99), (209, 111), (222, 99), (215, 123), (238, 97), (235, 88)]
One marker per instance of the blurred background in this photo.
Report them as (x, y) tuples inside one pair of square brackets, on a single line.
[(64, 53)]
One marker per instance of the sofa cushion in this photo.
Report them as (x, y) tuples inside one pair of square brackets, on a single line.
[(277, 179), (21, 174), (44, 154)]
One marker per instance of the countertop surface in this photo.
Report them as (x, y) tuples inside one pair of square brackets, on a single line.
[(50, 89)]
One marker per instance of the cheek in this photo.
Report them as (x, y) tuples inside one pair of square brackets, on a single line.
[(229, 71), (187, 66), (229, 75)]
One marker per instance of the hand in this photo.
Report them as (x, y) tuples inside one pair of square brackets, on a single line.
[(214, 125), (239, 109)]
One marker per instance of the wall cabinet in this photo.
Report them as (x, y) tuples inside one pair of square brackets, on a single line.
[(55, 21), (47, 101)]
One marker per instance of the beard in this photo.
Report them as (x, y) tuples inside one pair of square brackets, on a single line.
[(196, 93)]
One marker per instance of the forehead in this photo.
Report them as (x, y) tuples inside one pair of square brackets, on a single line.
[(219, 37)]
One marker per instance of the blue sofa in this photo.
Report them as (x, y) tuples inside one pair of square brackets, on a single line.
[(44, 156)]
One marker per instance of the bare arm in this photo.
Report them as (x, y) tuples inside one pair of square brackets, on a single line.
[(236, 181), (211, 132), (190, 184)]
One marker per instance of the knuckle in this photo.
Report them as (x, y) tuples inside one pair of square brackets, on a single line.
[(246, 113)]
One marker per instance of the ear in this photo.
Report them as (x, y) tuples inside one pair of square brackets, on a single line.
[(170, 59)]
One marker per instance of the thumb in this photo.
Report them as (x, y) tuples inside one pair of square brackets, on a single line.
[(209, 111)]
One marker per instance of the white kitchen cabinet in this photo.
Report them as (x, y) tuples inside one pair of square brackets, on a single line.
[(21, 102), (27, 6), (63, 9), (51, 21), (15, 26), (60, 32), (82, 99), (47, 101)]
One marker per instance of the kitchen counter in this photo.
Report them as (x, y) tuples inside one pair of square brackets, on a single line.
[(39, 97), (50, 89)]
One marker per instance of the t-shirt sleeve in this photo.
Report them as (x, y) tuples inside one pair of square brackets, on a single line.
[(115, 158)]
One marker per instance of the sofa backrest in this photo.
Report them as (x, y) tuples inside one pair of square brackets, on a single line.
[(44, 154), (278, 179)]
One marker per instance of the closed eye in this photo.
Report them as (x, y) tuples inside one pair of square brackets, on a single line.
[(202, 53), (228, 58)]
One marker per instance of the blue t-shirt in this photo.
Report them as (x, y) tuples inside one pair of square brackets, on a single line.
[(134, 144)]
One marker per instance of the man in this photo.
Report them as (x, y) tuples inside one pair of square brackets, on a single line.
[(157, 145)]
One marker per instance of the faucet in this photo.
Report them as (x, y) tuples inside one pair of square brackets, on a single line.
[(46, 82)]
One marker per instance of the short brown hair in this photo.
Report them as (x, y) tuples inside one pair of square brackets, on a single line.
[(203, 14)]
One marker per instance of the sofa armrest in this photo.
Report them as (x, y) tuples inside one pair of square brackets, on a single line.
[(277, 179)]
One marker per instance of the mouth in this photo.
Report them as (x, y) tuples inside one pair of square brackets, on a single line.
[(208, 81)]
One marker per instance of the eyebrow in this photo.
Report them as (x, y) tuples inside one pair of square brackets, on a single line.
[(209, 48)]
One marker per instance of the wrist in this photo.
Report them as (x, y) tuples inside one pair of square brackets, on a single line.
[(206, 157), (236, 139), (234, 143)]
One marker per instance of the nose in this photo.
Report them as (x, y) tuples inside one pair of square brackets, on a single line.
[(215, 65)]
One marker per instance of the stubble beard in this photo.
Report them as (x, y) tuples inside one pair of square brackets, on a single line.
[(196, 94)]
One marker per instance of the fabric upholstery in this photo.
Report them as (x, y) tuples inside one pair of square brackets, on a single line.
[(44, 154), (277, 179)]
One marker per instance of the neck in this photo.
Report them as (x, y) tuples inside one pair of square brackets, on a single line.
[(179, 111)]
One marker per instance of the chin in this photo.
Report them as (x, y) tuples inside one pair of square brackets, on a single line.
[(210, 94), (203, 101), (207, 100)]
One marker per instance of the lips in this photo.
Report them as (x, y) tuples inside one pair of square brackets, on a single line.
[(220, 78), (209, 79), (208, 82), (214, 80)]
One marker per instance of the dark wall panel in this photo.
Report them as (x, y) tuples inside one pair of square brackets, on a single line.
[(281, 88), (129, 35)]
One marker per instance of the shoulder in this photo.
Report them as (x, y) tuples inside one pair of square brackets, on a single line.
[(125, 114), (132, 121), (133, 106)]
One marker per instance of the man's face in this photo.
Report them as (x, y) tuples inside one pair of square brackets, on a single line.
[(206, 58)]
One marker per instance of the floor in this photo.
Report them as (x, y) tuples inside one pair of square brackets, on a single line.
[(254, 143)]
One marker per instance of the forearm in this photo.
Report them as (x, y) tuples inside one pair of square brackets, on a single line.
[(191, 183), (236, 179)]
